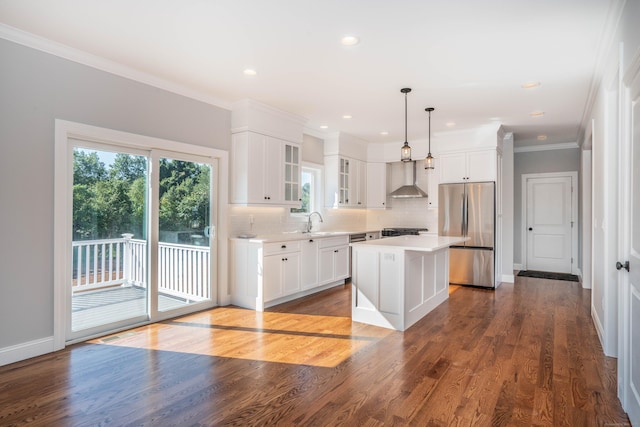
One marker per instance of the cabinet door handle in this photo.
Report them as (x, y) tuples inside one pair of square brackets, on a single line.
[(283, 247), (335, 250), (310, 240)]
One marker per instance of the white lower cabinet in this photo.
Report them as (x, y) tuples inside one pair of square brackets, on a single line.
[(309, 264), (334, 259), (281, 275), (265, 274)]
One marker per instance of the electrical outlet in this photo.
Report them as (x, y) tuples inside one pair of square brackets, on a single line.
[(251, 219)]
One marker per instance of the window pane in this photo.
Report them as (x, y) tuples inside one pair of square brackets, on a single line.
[(109, 237)]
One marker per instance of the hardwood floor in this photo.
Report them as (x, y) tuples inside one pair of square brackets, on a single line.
[(525, 354)]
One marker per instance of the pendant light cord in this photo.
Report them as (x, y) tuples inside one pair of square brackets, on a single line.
[(429, 132), (405, 118)]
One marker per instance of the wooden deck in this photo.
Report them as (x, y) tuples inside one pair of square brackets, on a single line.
[(524, 354), (95, 308)]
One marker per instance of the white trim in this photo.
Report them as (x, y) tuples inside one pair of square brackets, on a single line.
[(64, 131), (63, 51), (605, 45), (517, 267), (27, 350), (317, 133), (546, 147), (574, 213), (508, 278)]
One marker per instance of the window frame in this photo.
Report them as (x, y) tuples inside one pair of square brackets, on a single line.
[(317, 171)]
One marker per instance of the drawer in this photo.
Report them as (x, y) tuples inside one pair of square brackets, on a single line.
[(281, 247), (333, 241)]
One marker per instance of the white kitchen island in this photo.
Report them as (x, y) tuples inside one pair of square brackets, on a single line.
[(398, 280)]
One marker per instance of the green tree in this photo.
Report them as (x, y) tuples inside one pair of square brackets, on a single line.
[(128, 167), (84, 214), (87, 167), (113, 208), (138, 198)]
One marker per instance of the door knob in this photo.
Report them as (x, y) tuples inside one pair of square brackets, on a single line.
[(620, 266), (530, 228)]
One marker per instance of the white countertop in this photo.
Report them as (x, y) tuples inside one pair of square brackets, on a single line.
[(298, 235), (423, 242)]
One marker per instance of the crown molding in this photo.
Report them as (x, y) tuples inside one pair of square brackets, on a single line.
[(547, 147), (66, 52)]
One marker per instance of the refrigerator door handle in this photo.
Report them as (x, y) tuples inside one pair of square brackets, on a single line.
[(465, 214), (462, 215)]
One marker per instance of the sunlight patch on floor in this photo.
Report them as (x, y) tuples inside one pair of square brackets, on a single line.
[(304, 339)]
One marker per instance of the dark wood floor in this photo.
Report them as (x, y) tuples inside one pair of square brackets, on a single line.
[(526, 354)]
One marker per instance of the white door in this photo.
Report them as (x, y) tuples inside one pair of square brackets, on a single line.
[(629, 331), (549, 224)]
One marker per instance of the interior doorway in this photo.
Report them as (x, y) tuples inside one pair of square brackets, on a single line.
[(549, 235)]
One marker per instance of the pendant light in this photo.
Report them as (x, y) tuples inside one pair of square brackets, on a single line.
[(405, 152), (429, 161)]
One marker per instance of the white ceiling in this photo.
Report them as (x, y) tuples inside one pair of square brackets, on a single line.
[(466, 58)]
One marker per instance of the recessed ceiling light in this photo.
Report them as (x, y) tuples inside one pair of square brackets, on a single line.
[(542, 137), (495, 119), (324, 127), (536, 113), (450, 124), (346, 116), (250, 72), (350, 40), (530, 85), (384, 132)]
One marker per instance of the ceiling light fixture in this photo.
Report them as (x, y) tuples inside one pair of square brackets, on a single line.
[(530, 85), (429, 162), (346, 116), (324, 127), (384, 132), (405, 152), (537, 113), (250, 72), (350, 40), (542, 137), (450, 124)]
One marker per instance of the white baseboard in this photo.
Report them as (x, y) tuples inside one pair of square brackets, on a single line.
[(517, 266), (508, 278), (26, 350)]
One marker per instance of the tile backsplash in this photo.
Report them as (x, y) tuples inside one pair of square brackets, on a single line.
[(272, 220)]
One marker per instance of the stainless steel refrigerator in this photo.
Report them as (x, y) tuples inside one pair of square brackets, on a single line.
[(469, 210)]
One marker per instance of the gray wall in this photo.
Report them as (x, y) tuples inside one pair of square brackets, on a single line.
[(35, 89), (538, 162)]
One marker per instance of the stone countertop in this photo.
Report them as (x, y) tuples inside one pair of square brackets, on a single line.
[(421, 243), (297, 235)]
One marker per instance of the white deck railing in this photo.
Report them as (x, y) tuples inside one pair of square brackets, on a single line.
[(183, 270)]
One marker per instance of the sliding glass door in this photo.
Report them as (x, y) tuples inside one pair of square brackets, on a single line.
[(185, 233), (142, 237)]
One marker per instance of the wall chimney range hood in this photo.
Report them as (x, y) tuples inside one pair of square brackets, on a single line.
[(409, 190)]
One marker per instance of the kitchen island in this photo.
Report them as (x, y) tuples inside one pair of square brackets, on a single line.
[(399, 280)]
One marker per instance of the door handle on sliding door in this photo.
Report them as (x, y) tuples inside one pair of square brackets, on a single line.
[(620, 266)]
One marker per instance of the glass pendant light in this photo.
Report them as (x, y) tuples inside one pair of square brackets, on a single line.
[(429, 161), (405, 152)]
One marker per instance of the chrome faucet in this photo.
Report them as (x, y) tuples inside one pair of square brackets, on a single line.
[(309, 223)]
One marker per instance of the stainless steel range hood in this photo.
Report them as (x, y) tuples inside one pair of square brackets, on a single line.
[(409, 190)]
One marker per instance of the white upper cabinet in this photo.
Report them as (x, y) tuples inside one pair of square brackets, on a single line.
[(345, 182), (469, 166), (266, 170), (376, 185), (345, 171), (265, 155)]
